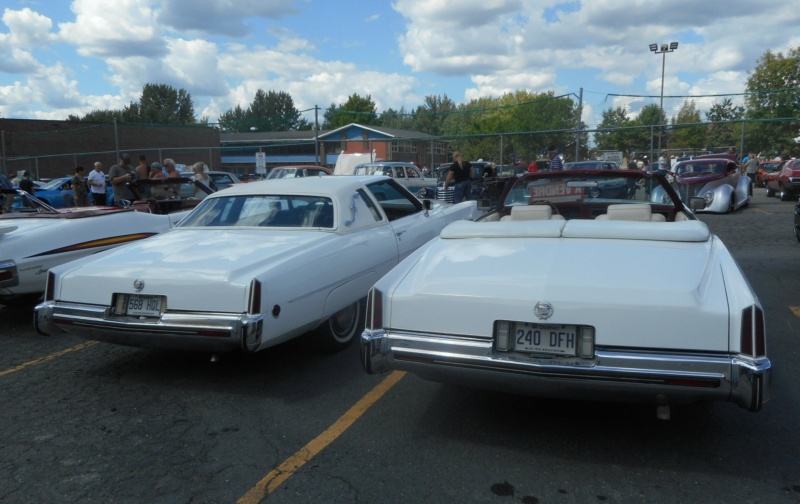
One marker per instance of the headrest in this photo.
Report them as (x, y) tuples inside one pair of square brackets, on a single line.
[(531, 212)]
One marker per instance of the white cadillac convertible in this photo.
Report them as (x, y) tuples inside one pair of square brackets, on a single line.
[(250, 267), (37, 237), (573, 291)]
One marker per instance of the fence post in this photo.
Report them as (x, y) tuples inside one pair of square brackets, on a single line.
[(741, 142), (578, 127), (3, 149)]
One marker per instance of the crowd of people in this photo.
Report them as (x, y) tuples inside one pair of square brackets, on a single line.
[(83, 189)]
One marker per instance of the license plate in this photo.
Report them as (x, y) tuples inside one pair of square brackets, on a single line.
[(545, 338), (143, 306)]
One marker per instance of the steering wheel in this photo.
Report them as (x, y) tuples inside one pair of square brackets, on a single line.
[(545, 202)]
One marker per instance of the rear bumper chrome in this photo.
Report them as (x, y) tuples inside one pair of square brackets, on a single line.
[(658, 377), (193, 331)]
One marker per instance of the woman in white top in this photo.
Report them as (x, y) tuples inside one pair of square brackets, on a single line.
[(200, 174)]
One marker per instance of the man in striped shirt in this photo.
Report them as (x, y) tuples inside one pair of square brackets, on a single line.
[(555, 160)]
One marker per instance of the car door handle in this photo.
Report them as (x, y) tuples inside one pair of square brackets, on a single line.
[(398, 233)]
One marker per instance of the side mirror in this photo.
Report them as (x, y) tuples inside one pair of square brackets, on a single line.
[(484, 205)]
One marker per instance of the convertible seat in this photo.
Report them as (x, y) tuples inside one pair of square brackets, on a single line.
[(639, 212), (532, 212)]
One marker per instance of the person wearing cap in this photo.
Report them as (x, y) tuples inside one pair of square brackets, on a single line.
[(555, 160), (157, 171), (97, 184), (121, 175)]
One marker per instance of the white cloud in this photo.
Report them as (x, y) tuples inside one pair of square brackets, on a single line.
[(221, 17)]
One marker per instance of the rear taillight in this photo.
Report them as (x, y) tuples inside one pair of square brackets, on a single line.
[(50, 287), (254, 305), (753, 341), (374, 309)]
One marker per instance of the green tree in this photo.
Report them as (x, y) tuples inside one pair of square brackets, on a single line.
[(687, 132), (356, 109), (430, 117), (269, 111), (163, 104), (724, 126), (773, 94)]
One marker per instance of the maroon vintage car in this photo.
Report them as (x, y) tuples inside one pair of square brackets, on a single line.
[(716, 179), (785, 182), (764, 168)]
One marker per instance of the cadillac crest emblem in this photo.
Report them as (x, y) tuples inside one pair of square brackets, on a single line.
[(543, 310)]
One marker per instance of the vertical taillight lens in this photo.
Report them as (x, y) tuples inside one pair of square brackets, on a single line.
[(50, 287), (374, 309), (255, 297), (754, 341)]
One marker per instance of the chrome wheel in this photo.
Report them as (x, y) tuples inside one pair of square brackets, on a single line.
[(341, 328)]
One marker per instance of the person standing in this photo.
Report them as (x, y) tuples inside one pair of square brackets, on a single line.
[(459, 174), (97, 184), (67, 194), (555, 159), (663, 161), (79, 189), (8, 199), (121, 175), (751, 168), (142, 170), (200, 175), (172, 172), (26, 184)]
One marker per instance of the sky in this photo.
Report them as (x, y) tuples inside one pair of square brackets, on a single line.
[(61, 57)]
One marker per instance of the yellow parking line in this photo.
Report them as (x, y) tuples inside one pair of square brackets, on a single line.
[(281, 473), (47, 358), (764, 211), (795, 310)]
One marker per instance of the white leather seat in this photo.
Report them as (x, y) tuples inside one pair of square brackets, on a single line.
[(532, 212), (631, 212)]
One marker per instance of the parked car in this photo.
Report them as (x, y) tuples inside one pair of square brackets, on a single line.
[(714, 178), (251, 266), (407, 174), (765, 168), (591, 165), (487, 183), (249, 177), (298, 171), (628, 299), (39, 237), (784, 182)]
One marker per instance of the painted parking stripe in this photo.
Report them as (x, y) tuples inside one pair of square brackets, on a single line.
[(47, 358), (795, 310), (763, 211), (281, 473)]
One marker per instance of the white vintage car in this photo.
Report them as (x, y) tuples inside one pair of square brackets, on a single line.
[(406, 173), (250, 267), (38, 237), (568, 292)]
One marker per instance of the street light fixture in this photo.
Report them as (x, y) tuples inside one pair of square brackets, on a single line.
[(663, 50)]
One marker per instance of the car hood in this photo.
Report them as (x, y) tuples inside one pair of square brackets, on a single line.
[(197, 269), (19, 226), (647, 294)]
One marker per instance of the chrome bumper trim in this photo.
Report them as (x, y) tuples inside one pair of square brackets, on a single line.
[(199, 331), (613, 374)]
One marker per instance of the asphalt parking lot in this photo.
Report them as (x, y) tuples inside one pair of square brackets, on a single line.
[(91, 422)]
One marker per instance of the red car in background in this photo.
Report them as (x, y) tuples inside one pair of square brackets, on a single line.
[(764, 168), (785, 182)]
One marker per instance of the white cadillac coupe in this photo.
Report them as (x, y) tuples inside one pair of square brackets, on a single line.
[(584, 284), (250, 267)]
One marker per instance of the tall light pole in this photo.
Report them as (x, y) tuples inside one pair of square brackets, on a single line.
[(663, 50)]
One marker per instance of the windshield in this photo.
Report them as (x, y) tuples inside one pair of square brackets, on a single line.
[(684, 168), (54, 184), (271, 211), (578, 195)]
